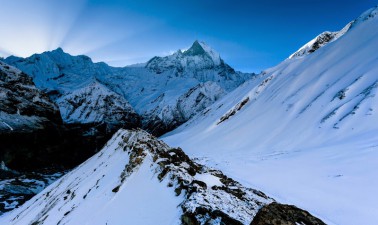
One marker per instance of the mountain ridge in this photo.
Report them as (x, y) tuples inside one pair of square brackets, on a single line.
[(329, 37), (160, 84), (130, 176)]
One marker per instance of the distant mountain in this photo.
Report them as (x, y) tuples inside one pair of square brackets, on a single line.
[(201, 62), (306, 129), (97, 104), (156, 90), (138, 179)]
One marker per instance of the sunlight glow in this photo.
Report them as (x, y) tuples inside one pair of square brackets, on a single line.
[(29, 27)]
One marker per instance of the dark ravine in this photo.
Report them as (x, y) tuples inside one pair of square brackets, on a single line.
[(17, 188), (32, 133)]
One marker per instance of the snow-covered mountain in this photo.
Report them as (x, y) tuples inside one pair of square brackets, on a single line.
[(57, 71), (97, 104), (307, 128), (156, 90), (138, 179), (201, 62)]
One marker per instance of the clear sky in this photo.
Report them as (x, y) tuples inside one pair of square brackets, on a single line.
[(250, 35)]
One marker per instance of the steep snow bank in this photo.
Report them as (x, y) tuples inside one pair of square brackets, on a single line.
[(307, 128)]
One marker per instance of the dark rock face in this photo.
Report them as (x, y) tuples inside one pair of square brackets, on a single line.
[(157, 126), (32, 134), (58, 147), (322, 40), (23, 107), (280, 214)]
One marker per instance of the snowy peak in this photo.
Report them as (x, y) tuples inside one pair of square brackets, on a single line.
[(196, 49), (201, 48), (58, 70), (199, 56)]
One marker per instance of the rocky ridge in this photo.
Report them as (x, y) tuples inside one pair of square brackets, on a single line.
[(203, 195), (327, 37)]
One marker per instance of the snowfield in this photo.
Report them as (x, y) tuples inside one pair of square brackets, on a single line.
[(305, 131)]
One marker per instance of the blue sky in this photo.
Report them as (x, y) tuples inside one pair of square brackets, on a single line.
[(250, 35)]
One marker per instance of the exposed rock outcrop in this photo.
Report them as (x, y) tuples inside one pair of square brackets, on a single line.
[(280, 214)]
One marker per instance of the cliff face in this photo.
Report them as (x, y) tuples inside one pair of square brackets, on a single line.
[(23, 107), (32, 134)]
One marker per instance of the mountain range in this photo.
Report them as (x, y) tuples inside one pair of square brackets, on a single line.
[(158, 95)]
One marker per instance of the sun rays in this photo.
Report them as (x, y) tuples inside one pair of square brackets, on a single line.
[(75, 25), (28, 27)]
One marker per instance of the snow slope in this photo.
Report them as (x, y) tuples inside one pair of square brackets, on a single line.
[(307, 128), (137, 179)]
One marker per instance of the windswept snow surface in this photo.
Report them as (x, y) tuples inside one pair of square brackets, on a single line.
[(305, 131)]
